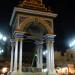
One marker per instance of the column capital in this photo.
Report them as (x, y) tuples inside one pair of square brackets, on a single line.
[(19, 34), (49, 37), (38, 42), (12, 41)]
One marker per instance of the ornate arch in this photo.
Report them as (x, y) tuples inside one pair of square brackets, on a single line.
[(42, 22)]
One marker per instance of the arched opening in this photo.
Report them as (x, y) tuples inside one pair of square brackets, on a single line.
[(42, 24), (34, 33)]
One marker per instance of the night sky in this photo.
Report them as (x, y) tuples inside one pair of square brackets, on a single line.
[(64, 24)]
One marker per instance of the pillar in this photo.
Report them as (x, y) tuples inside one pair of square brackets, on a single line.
[(48, 57), (50, 54), (38, 60), (39, 55), (20, 56), (12, 52), (16, 55), (19, 39)]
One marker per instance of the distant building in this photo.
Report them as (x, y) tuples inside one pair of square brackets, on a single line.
[(66, 62)]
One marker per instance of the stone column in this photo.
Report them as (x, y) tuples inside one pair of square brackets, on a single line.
[(16, 55), (39, 55), (12, 52), (50, 54), (19, 36), (20, 56), (38, 60)]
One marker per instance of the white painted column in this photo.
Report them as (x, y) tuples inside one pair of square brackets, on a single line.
[(52, 55), (18, 37), (12, 51), (20, 56), (41, 56), (38, 57), (48, 56), (16, 55), (39, 48)]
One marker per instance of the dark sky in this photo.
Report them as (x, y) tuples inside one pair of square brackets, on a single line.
[(64, 24)]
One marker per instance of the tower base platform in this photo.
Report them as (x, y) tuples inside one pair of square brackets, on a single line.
[(31, 73)]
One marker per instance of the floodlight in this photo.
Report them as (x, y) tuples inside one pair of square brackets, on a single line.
[(2, 50), (4, 38), (1, 36), (72, 43)]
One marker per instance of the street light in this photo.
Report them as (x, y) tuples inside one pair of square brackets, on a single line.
[(72, 44), (1, 51), (3, 38)]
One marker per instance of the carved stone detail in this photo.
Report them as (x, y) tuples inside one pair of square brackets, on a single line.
[(49, 22), (22, 18)]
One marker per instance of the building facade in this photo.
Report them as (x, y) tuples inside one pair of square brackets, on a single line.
[(65, 64)]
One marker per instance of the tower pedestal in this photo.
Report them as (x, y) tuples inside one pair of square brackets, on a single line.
[(26, 73)]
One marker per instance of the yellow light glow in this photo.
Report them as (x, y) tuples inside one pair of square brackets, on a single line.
[(65, 70), (4, 70)]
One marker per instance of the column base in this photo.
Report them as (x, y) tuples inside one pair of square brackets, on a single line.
[(26, 73), (52, 72), (9, 73), (15, 73)]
